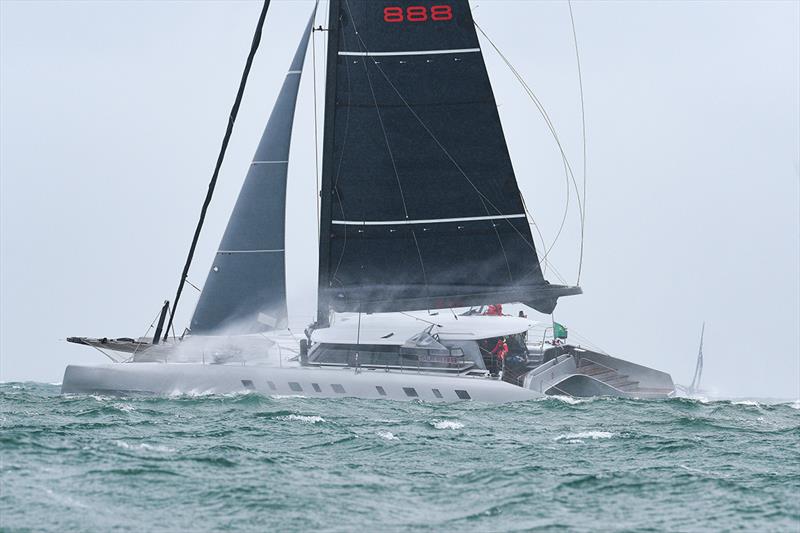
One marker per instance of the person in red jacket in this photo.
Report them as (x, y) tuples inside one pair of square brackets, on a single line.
[(495, 310), (500, 349)]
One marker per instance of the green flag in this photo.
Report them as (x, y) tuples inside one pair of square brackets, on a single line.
[(559, 331)]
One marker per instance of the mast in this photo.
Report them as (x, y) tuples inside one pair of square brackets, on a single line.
[(212, 184), (326, 185)]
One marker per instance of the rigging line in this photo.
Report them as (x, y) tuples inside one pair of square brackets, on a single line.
[(385, 136), (569, 174), (391, 158), (193, 286), (583, 128), (212, 184), (316, 125), (341, 159), (141, 339), (449, 156), (540, 107)]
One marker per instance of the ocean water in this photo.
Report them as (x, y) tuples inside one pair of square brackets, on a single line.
[(253, 462)]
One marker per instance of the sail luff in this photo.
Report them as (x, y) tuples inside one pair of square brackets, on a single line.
[(326, 181), (245, 291)]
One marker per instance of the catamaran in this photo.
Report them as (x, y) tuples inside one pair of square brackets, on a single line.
[(423, 230)]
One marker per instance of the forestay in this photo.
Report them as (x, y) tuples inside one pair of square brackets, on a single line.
[(246, 289), (420, 204)]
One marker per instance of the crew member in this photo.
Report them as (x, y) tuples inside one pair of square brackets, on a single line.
[(500, 349)]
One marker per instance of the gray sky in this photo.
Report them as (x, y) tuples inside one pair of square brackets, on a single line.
[(111, 115)]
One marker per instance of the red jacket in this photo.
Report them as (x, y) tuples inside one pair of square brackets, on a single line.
[(500, 349)]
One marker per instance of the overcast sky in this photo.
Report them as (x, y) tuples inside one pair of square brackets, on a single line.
[(111, 115)]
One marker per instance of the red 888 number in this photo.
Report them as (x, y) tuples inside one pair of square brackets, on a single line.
[(417, 13)]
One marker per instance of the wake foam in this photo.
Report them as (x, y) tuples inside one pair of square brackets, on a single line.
[(447, 424)]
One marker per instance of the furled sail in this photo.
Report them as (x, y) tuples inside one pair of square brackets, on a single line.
[(245, 291), (420, 204)]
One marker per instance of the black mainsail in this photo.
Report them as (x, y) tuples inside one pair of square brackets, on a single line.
[(245, 291), (420, 205)]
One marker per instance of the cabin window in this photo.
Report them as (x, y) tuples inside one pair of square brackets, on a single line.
[(411, 391), (381, 390), (456, 355), (295, 386), (248, 384), (437, 393), (316, 386), (271, 385), (337, 388), (464, 395)]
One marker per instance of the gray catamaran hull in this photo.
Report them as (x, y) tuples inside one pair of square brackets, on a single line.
[(166, 379)]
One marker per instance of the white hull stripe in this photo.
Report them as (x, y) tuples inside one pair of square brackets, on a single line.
[(412, 52), (421, 221), (268, 162), (248, 251)]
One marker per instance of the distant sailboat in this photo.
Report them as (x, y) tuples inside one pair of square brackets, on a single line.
[(419, 210), (694, 389)]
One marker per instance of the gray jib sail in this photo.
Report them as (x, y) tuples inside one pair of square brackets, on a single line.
[(245, 291), (420, 207)]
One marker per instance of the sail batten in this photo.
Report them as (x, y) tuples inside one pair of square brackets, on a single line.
[(245, 291), (420, 204)]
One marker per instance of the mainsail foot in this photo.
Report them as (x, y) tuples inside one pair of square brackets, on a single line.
[(391, 298)]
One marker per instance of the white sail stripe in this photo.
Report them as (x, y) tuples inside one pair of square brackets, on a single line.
[(412, 52), (294, 72), (248, 251), (422, 221), (267, 162)]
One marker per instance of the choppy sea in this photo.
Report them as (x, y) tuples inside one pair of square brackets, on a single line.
[(259, 463)]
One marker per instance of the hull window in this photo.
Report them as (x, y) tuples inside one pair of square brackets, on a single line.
[(316, 386), (411, 392), (437, 393), (295, 386), (271, 385), (464, 395), (337, 388), (248, 384), (381, 390)]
